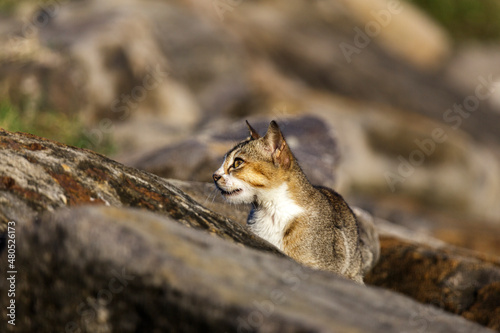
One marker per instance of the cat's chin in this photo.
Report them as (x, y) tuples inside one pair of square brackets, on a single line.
[(229, 194), (235, 196)]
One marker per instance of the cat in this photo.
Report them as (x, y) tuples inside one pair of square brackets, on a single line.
[(311, 224)]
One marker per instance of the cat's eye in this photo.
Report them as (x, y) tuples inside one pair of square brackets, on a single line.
[(237, 162)]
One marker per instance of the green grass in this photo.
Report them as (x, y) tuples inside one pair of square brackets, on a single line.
[(465, 19), (52, 125), (7, 6)]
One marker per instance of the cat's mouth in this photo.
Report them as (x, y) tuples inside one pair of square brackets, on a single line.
[(230, 193)]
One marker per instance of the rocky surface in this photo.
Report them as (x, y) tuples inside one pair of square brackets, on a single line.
[(170, 269), (468, 285), (108, 269), (38, 175), (412, 262)]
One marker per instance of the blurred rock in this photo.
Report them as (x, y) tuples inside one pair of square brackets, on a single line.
[(106, 269), (105, 62), (459, 230), (369, 239), (205, 63), (474, 63), (369, 75), (402, 30), (197, 158), (389, 154)]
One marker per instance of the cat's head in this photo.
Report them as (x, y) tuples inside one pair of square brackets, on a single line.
[(254, 166)]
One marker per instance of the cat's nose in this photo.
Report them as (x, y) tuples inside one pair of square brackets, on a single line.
[(216, 177)]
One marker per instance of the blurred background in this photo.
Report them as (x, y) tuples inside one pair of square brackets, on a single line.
[(403, 97)]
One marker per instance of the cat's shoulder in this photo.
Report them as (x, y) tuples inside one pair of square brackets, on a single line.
[(329, 193), (334, 198)]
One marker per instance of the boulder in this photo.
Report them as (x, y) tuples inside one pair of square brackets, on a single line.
[(38, 175), (110, 269), (428, 270), (464, 285), (208, 196), (473, 62), (411, 262), (395, 24), (397, 159)]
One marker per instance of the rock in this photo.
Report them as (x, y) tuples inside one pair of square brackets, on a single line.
[(369, 239), (120, 64), (196, 159), (78, 251), (458, 280), (458, 230), (369, 75), (210, 65), (411, 262), (388, 155), (38, 175), (208, 196), (474, 63), (395, 24), (109, 269)]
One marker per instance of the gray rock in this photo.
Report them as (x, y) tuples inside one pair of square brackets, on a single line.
[(208, 196), (38, 175), (369, 239), (411, 262), (107, 269)]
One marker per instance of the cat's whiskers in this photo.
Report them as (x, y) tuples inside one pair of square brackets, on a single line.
[(212, 194)]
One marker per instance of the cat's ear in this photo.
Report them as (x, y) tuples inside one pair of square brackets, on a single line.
[(253, 133), (280, 152)]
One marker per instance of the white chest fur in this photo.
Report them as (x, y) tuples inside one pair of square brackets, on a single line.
[(275, 211)]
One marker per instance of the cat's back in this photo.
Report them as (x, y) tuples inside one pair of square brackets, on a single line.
[(342, 214), (360, 231)]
